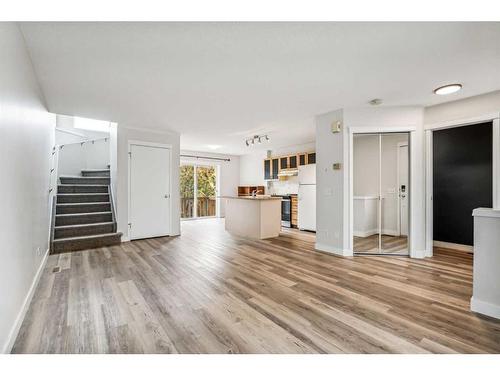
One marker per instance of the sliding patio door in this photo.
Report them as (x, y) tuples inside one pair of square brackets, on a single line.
[(198, 184), (381, 195)]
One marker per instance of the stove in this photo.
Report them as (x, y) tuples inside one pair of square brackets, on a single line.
[(286, 210)]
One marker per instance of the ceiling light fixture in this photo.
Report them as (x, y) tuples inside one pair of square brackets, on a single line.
[(256, 139), (448, 89)]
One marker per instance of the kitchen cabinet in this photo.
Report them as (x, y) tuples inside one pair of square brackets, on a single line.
[(284, 162), (274, 168), (302, 159), (267, 169), (294, 210)]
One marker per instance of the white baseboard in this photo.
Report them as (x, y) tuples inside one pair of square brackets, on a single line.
[(454, 246), (332, 250), (11, 339), (485, 308)]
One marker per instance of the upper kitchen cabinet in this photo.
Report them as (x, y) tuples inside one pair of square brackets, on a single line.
[(284, 162), (267, 169), (302, 159), (272, 166), (275, 168)]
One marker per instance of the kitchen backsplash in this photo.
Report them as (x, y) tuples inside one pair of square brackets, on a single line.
[(289, 186)]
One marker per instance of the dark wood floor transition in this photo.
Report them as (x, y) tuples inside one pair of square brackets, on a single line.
[(209, 292)]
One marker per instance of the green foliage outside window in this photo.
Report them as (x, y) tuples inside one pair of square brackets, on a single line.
[(206, 181)]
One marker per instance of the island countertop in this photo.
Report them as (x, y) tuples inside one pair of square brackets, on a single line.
[(256, 198)]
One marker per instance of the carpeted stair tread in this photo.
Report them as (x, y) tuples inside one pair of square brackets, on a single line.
[(82, 198), (86, 242), (81, 189), (78, 230), (82, 207), (83, 218)]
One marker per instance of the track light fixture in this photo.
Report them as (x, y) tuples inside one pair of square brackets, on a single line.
[(256, 139)]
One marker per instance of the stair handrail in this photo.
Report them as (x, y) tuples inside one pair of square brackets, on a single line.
[(72, 132), (61, 145), (54, 158), (112, 202)]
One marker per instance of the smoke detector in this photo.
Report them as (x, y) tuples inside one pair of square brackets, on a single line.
[(375, 101)]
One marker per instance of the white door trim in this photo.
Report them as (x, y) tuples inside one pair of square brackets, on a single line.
[(149, 144), (429, 214), (411, 159)]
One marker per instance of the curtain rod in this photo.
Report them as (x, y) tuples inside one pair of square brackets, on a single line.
[(204, 157)]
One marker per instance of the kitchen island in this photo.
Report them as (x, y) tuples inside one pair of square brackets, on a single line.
[(256, 217)]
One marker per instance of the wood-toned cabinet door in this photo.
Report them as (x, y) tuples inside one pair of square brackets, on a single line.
[(267, 169), (295, 210), (275, 164), (292, 162)]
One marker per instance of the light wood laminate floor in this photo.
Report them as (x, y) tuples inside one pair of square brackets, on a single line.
[(209, 292)]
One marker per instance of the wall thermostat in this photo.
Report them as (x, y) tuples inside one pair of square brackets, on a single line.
[(336, 126)]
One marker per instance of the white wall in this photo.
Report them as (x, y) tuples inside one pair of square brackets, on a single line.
[(26, 140), (333, 206), (75, 157), (475, 106), (229, 173), (124, 135), (252, 169)]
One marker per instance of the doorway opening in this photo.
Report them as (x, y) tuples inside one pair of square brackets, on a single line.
[(198, 191), (461, 179), (381, 193)]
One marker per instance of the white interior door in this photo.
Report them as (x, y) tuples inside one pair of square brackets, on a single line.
[(403, 188), (149, 191)]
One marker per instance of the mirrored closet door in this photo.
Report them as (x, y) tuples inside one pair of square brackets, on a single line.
[(380, 193)]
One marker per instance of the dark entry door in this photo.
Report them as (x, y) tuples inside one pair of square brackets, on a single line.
[(462, 179)]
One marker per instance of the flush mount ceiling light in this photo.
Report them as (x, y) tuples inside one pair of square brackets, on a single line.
[(256, 139), (448, 89)]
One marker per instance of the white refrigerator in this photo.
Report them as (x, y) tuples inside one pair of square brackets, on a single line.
[(307, 197)]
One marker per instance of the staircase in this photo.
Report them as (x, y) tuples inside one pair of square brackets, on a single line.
[(84, 213)]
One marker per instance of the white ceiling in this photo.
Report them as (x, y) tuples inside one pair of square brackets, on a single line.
[(218, 83)]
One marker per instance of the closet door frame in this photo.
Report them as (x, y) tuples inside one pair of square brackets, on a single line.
[(380, 130)]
